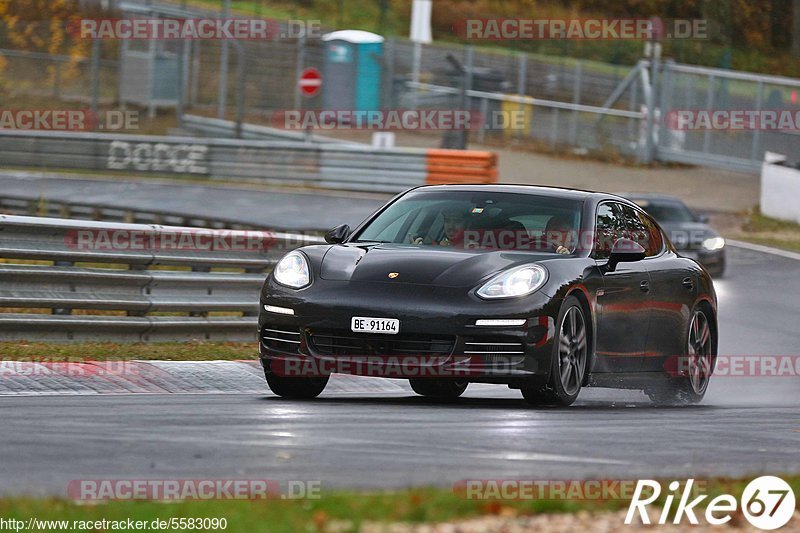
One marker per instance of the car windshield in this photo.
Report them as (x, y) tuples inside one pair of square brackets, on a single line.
[(665, 212), (479, 220)]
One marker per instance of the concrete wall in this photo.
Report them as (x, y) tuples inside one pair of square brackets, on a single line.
[(780, 189)]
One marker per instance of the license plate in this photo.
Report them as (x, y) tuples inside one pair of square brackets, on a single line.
[(386, 326)]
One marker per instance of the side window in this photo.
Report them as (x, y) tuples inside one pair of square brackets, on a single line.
[(636, 230), (607, 230), (656, 240)]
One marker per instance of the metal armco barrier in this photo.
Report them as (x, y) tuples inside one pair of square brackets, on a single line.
[(215, 127), (348, 167), (140, 298)]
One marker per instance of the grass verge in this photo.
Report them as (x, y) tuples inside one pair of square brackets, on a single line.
[(337, 510), (106, 351), (759, 229)]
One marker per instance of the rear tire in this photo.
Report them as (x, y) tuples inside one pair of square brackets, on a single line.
[(442, 389), (299, 388), (690, 388), (569, 360)]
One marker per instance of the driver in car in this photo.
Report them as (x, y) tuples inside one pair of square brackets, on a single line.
[(455, 222), (558, 234)]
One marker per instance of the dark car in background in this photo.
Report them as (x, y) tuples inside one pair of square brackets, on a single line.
[(544, 290), (689, 232)]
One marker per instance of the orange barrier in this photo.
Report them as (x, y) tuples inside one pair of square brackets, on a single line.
[(461, 166)]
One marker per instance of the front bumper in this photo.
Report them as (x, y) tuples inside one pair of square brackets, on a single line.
[(438, 335)]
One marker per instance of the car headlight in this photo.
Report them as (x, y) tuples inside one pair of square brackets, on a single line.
[(714, 243), (516, 282), (293, 271)]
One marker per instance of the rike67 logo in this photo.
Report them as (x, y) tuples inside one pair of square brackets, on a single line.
[(768, 503)]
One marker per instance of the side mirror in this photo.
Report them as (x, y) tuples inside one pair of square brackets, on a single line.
[(338, 234), (625, 251), (703, 219)]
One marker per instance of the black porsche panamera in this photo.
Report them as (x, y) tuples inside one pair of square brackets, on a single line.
[(542, 289)]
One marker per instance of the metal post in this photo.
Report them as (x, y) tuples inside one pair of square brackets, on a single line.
[(195, 83), (186, 63), (484, 112), (151, 58), (240, 88), (223, 67), (522, 83), (655, 65), (388, 100), (757, 133), (576, 99), (300, 64), (95, 76), (710, 98), (634, 106), (554, 130), (416, 65), (665, 105), (179, 103)]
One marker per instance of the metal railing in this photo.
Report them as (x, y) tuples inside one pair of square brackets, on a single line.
[(214, 127), (136, 282), (348, 167)]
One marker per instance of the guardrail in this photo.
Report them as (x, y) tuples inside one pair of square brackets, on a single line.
[(24, 205), (349, 167), (140, 282), (215, 127)]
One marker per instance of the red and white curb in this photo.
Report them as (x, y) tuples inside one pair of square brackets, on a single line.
[(21, 378)]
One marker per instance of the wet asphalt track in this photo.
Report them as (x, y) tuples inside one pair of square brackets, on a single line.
[(384, 436), (271, 209)]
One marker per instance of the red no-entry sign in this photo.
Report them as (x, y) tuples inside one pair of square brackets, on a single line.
[(310, 82)]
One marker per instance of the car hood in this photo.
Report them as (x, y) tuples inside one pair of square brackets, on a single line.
[(424, 265), (686, 235)]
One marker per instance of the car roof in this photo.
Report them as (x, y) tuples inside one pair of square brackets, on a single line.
[(537, 190)]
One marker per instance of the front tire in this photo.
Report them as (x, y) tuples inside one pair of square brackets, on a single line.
[(691, 386), (298, 388), (569, 360), (442, 389)]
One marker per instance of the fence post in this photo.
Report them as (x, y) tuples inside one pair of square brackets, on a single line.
[(223, 67), (300, 63), (416, 65), (95, 77), (757, 133), (655, 64), (665, 104), (179, 103), (241, 86), (195, 83), (522, 85), (710, 103), (576, 99)]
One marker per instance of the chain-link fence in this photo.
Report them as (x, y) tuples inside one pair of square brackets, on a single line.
[(562, 103)]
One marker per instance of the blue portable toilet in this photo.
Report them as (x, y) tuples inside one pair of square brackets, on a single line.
[(352, 70)]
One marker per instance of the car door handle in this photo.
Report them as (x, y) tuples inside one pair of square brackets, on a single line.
[(644, 286), (688, 283)]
